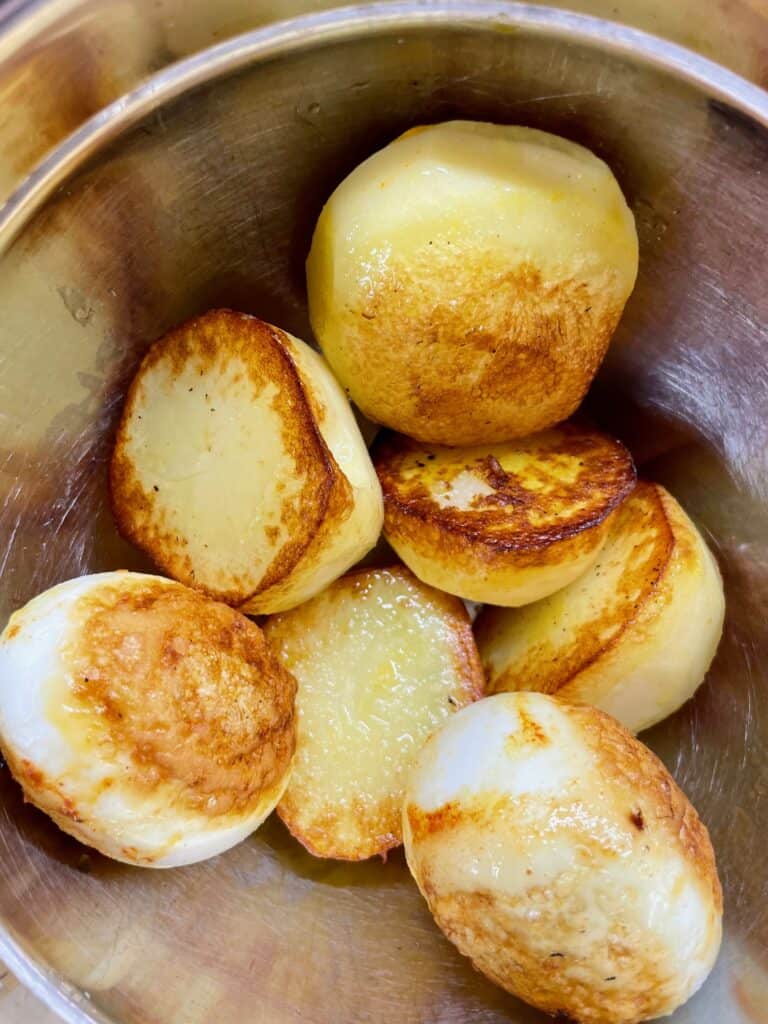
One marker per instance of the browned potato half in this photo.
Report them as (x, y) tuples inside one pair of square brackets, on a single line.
[(381, 661), (506, 523), (464, 282), (634, 635), (238, 465)]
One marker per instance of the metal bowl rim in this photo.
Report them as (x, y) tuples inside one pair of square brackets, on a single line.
[(275, 39)]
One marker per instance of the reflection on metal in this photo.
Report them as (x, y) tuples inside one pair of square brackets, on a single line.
[(201, 188)]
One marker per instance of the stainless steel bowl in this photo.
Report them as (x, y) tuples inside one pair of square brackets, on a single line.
[(201, 188)]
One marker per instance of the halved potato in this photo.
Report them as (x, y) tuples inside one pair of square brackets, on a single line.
[(238, 465), (506, 523), (381, 661), (634, 635), (465, 281)]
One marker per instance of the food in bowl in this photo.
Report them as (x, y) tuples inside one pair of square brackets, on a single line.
[(465, 281), (556, 851), (148, 721), (507, 523), (464, 284), (238, 466), (634, 635), (381, 660)]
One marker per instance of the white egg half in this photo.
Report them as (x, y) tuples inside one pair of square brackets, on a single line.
[(147, 720), (557, 852)]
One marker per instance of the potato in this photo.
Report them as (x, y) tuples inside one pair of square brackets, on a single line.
[(381, 661), (634, 635), (238, 466), (504, 523), (147, 720), (558, 854), (465, 281)]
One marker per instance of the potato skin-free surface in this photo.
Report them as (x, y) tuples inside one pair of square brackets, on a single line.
[(505, 523), (634, 635), (147, 720), (238, 466), (556, 852), (465, 281), (381, 660)]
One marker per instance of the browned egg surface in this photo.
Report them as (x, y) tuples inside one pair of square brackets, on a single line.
[(185, 687)]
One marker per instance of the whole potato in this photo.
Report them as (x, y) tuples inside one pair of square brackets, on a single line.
[(465, 281), (556, 851)]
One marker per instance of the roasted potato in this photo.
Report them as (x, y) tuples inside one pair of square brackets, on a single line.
[(238, 466), (465, 281), (147, 720), (634, 635), (558, 854), (381, 661), (504, 523)]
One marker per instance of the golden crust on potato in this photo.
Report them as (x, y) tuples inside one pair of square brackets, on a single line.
[(464, 282), (557, 852), (505, 523), (381, 660), (634, 635), (238, 466)]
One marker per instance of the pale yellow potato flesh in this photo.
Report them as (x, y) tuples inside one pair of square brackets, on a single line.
[(556, 851), (381, 661), (465, 281), (238, 465), (634, 635), (507, 523)]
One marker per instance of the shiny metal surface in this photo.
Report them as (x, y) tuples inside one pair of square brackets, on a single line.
[(202, 188), (63, 60)]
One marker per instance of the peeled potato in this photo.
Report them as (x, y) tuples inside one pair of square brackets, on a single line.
[(381, 661), (634, 635), (465, 281), (238, 466), (147, 720), (503, 523), (558, 854)]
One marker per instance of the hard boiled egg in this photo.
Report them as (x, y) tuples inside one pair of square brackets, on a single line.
[(556, 851), (147, 720)]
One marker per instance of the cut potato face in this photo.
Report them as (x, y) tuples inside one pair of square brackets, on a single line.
[(505, 523), (381, 661), (147, 720), (557, 853), (634, 635), (238, 466), (465, 281)]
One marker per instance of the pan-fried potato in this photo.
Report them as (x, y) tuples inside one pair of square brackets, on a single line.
[(505, 523), (381, 661), (556, 851), (634, 635), (465, 281), (238, 465)]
